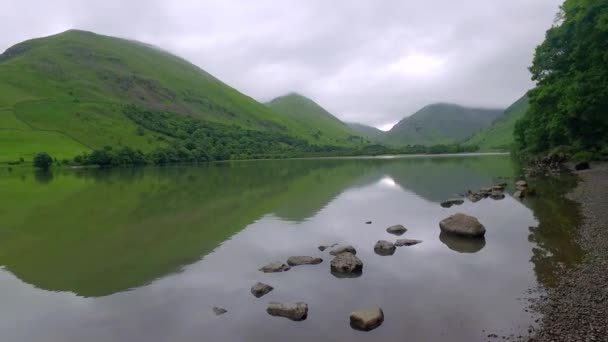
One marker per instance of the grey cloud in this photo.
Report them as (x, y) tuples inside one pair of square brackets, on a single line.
[(368, 61)]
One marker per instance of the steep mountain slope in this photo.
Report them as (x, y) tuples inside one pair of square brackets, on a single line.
[(499, 136), (313, 118), (372, 133), (441, 123), (73, 87)]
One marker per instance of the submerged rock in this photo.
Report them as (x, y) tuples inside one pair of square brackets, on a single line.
[(384, 248), (451, 202), (218, 310), (343, 249), (462, 244), (396, 229), (406, 242), (303, 260), (346, 265), (261, 289), (366, 319), (275, 267), (463, 225), (293, 311)]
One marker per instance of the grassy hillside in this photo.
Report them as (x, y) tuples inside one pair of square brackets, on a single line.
[(440, 123), (371, 133), (313, 118), (499, 136), (67, 93)]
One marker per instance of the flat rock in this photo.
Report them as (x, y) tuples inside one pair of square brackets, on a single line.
[(293, 311), (343, 249), (521, 184), (384, 248), (396, 229), (366, 319), (218, 310), (451, 202), (303, 260), (275, 267), (261, 289), (346, 265), (406, 242), (497, 196), (463, 225)]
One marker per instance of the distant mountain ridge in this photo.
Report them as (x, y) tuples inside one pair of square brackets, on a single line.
[(372, 133)]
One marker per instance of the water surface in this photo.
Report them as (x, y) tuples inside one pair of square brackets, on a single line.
[(144, 254)]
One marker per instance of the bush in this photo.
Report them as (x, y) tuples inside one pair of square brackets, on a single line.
[(43, 161)]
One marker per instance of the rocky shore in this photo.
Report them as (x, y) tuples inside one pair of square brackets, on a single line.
[(577, 309)]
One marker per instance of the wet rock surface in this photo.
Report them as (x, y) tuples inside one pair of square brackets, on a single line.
[(343, 249), (293, 311), (303, 260), (577, 309), (462, 225), (451, 202), (384, 248), (406, 242), (346, 265), (366, 319), (396, 229), (275, 267), (261, 289)]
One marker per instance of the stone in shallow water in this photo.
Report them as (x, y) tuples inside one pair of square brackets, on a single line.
[(343, 249), (406, 242), (451, 202), (463, 225), (261, 289), (275, 267), (303, 260), (396, 229), (219, 310), (346, 265), (384, 248), (366, 319), (293, 311)]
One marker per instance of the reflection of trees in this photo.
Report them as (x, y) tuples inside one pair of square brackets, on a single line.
[(555, 235)]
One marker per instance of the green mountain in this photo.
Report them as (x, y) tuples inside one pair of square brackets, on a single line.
[(499, 136), (372, 133), (314, 119), (68, 93), (440, 123)]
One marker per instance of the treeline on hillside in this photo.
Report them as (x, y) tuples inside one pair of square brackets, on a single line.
[(569, 107), (190, 140)]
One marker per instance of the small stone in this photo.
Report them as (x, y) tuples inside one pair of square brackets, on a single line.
[(384, 248), (366, 319), (521, 184), (497, 196), (396, 229), (346, 265), (519, 194), (343, 249), (261, 289), (451, 202), (303, 260), (275, 267), (293, 311), (582, 166), (406, 242), (219, 310), (368, 222), (322, 248)]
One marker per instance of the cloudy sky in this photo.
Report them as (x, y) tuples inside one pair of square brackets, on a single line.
[(370, 61)]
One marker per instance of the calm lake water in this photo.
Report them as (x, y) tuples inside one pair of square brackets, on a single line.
[(144, 254)]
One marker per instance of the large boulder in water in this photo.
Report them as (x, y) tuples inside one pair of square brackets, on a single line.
[(384, 247), (462, 225), (303, 260), (346, 265), (366, 319), (293, 311), (343, 249)]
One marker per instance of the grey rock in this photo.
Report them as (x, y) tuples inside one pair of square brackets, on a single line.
[(275, 267), (497, 196), (293, 311), (343, 249), (261, 289), (396, 229), (366, 319), (322, 248), (303, 260), (451, 202), (346, 265), (384, 248), (521, 184), (463, 225), (406, 242), (219, 310)]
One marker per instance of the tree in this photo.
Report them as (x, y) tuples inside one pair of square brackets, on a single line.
[(43, 161)]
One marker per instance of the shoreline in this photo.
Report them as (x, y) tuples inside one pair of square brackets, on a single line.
[(577, 309)]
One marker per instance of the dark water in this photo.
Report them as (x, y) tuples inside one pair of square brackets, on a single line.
[(144, 254)]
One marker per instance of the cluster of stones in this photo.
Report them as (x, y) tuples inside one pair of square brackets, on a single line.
[(496, 192)]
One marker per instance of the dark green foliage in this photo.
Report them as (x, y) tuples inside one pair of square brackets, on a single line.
[(569, 106), (43, 161)]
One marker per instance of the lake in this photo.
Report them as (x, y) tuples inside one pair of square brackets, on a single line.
[(145, 254)]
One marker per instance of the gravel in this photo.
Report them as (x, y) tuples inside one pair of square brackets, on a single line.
[(577, 309)]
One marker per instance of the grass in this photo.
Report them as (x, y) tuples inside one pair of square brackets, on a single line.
[(25, 144)]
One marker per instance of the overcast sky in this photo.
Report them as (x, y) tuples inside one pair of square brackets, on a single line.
[(373, 61)]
